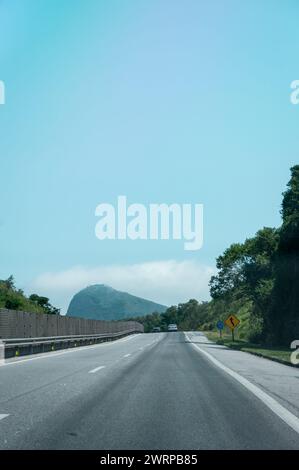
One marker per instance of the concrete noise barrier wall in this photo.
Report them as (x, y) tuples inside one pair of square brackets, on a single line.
[(17, 324)]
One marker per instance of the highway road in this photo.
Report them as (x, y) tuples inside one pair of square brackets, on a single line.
[(149, 391)]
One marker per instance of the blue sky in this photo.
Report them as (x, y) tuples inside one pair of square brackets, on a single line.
[(162, 101)]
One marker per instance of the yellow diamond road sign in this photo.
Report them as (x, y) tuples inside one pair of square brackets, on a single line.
[(232, 322)]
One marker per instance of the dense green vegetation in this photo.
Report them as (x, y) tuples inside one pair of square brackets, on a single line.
[(15, 299), (258, 281), (188, 316)]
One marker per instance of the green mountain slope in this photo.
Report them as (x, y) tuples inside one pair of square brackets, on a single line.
[(102, 302)]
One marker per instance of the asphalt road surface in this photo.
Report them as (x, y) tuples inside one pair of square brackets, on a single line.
[(149, 391)]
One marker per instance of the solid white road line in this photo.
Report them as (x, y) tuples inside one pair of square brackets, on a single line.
[(3, 416), (284, 414), (93, 371)]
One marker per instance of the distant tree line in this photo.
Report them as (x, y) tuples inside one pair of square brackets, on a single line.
[(15, 299), (188, 316), (257, 280)]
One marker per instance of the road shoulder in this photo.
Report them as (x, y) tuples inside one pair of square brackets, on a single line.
[(281, 382)]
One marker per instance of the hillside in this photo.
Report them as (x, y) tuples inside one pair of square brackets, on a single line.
[(101, 302), (13, 298)]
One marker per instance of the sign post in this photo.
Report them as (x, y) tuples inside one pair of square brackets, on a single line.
[(220, 326), (232, 322)]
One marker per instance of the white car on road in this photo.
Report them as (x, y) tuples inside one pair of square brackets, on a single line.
[(172, 327)]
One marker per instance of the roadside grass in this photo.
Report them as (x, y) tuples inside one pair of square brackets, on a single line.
[(278, 354)]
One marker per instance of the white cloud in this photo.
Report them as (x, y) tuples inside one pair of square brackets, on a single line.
[(166, 282)]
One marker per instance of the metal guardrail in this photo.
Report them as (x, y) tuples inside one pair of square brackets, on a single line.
[(45, 339), (25, 346)]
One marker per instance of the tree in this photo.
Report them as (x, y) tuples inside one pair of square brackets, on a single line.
[(230, 275), (284, 311), (45, 304), (246, 273), (10, 283)]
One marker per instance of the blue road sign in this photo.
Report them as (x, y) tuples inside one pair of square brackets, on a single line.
[(220, 325)]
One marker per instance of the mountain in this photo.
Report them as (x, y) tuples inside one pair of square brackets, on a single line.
[(101, 302)]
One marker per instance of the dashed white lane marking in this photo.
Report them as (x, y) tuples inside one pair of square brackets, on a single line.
[(68, 351), (93, 371), (127, 355), (274, 406), (3, 416)]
